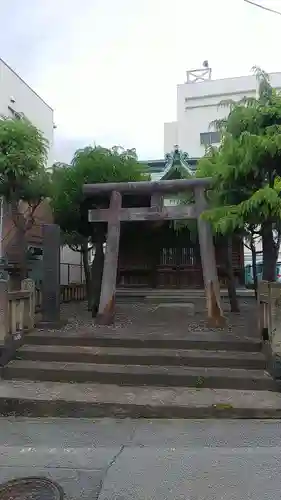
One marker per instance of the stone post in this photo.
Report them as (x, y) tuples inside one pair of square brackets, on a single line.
[(28, 285), (4, 312), (51, 276)]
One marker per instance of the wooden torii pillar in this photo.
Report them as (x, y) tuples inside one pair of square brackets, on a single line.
[(115, 214), (208, 260)]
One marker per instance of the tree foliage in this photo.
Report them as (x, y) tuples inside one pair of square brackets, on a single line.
[(23, 178), (23, 156), (70, 207), (89, 165), (246, 170)]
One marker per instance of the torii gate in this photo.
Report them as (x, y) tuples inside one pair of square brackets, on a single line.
[(115, 214)]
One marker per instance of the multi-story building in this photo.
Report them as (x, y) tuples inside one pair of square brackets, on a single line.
[(19, 99), (198, 105)]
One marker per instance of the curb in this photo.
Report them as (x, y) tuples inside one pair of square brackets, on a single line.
[(76, 409)]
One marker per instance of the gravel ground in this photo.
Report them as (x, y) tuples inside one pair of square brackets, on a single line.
[(152, 320)]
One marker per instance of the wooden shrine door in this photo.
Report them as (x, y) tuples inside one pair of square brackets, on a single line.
[(179, 267)]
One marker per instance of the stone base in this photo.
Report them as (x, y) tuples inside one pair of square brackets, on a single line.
[(273, 362), (9, 349), (189, 308), (216, 322), (265, 334), (105, 319), (51, 325), (276, 366)]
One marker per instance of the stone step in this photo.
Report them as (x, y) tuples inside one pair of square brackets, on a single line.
[(206, 341), (140, 356), (47, 399), (162, 376), (170, 292)]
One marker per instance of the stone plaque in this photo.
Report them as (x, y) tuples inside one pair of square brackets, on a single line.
[(51, 274), (28, 285)]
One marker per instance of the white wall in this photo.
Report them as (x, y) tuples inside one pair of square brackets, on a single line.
[(198, 106), (26, 102), (170, 136), (71, 267)]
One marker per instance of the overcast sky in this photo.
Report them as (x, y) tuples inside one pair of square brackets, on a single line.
[(109, 68)]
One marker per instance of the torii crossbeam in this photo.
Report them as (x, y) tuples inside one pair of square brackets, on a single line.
[(115, 214)]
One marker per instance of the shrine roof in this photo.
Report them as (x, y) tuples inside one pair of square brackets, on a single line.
[(177, 160)]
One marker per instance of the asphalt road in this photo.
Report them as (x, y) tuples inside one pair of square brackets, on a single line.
[(123, 459)]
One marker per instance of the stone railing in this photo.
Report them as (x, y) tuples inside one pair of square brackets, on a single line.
[(68, 293), (73, 292), (20, 312), (269, 322), (17, 311)]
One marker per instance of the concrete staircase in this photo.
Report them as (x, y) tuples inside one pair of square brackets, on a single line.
[(104, 376)]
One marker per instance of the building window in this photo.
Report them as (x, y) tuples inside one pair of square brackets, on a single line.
[(208, 138)]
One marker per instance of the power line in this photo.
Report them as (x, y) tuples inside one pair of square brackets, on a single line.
[(263, 7)]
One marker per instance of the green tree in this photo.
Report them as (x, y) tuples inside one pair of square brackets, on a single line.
[(24, 181), (247, 169), (90, 165)]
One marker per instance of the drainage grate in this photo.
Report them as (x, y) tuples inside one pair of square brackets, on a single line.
[(31, 488)]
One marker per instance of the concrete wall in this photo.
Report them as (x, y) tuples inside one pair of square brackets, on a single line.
[(198, 105), (26, 101)]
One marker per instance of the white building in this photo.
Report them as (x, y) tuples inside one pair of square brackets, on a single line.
[(198, 102), (18, 99)]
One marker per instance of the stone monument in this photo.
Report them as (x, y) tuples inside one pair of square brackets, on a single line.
[(51, 277)]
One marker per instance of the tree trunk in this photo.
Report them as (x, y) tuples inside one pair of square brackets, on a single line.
[(96, 277), (20, 243), (87, 273), (231, 286), (254, 266), (23, 254), (269, 252)]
